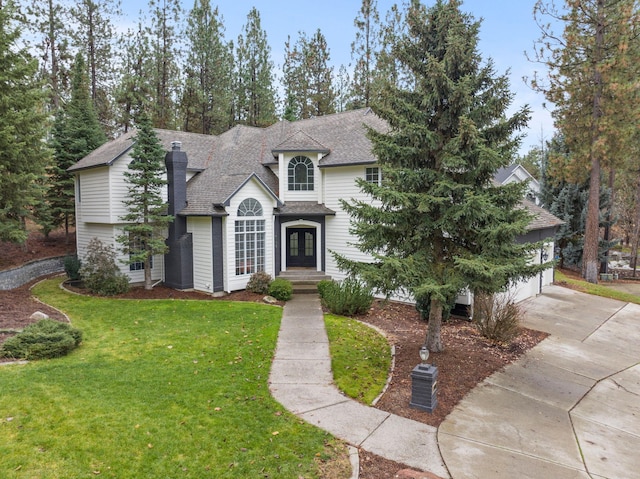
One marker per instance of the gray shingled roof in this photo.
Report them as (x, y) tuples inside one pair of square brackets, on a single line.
[(229, 160), (300, 141), (197, 146), (503, 173), (310, 208), (542, 218)]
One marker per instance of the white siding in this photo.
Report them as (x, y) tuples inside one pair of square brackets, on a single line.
[(285, 194), (252, 189), (92, 200), (200, 228), (340, 183), (119, 189)]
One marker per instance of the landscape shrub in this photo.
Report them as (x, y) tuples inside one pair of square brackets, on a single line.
[(100, 273), (324, 286), (259, 282), (497, 317), (72, 265), (348, 298), (42, 340), (281, 289)]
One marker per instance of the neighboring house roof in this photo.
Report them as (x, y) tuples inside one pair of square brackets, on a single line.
[(516, 173), (542, 219)]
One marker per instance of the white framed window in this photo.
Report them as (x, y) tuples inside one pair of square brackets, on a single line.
[(372, 175), (300, 174), (249, 238), (136, 245)]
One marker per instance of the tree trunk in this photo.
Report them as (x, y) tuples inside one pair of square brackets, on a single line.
[(604, 267), (434, 341), (636, 230), (148, 284), (592, 227)]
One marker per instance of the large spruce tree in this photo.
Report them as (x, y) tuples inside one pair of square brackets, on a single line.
[(438, 223), (22, 128), (146, 218)]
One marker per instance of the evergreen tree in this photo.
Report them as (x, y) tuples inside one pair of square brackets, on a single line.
[(308, 78), (23, 121), (94, 35), (165, 77), (363, 53), (76, 133), (437, 222), (143, 236), (47, 21), (207, 97), (593, 71), (255, 95), (133, 93), (317, 60)]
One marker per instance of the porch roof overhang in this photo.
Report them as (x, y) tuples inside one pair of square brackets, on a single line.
[(303, 208)]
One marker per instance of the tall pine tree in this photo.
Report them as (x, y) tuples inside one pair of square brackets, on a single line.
[(255, 95), (207, 97), (23, 120), (363, 53), (592, 81), (76, 133), (146, 218), (437, 222)]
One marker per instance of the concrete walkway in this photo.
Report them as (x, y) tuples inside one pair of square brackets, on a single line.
[(570, 408), (301, 380)]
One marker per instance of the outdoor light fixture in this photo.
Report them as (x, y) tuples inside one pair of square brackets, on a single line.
[(424, 381), (424, 355)]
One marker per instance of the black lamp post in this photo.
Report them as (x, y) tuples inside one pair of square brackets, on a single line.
[(424, 384)]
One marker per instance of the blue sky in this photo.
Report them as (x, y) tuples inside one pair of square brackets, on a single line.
[(507, 31)]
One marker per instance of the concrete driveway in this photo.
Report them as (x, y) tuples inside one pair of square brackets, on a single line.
[(569, 409)]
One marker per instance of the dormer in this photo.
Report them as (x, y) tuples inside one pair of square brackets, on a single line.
[(300, 178)]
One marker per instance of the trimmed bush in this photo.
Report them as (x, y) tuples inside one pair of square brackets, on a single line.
[(324, 286), (259, 282), (72, 266), (496, 317), (100, 273), (348, 298), (42, 340), (281, 289)]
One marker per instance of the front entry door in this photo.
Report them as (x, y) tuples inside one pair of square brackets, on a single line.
[(301, 247)]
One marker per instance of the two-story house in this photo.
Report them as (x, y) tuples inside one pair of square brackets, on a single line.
[(248, 200)]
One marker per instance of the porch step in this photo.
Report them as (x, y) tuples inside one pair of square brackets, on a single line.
[(304, 281)]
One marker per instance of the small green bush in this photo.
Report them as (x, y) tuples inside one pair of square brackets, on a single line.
[(281, 289), (100, 273), (42, 340), (496, 317), (324, 286), (348, 298), (72, 265), (259, 282)]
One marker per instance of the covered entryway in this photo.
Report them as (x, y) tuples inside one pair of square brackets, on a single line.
[(301, 248)]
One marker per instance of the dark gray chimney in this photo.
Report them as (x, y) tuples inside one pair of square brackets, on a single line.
[(179, 260)]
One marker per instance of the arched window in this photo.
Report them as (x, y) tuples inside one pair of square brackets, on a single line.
[(250, 207), (300, 174), (250, 238)]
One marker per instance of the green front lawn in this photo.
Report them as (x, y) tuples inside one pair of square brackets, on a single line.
[(600, 289), (158, 389)]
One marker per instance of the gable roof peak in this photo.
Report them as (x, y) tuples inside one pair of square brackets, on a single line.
[(300, 141)]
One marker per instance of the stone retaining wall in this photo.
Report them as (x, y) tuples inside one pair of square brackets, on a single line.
[(16, 277)]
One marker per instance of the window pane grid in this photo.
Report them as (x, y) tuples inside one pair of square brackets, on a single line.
[(250, 241), (300, 174)]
